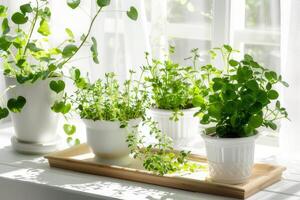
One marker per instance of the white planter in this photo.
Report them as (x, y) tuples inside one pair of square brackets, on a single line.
[(187, 126), (230, 159), (36, 123), (108, 140)]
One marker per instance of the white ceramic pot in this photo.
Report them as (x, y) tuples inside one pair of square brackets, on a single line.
[(185, 128), (36, 123), (108, 140), (230, 160)]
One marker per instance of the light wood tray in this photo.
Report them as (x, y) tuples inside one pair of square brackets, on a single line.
[(81, 159)]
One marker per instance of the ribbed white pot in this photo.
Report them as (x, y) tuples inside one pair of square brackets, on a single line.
[(186, 127), (230, 159), (108, 140), (36, 123)]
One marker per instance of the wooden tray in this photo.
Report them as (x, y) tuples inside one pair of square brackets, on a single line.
[(80, 158)]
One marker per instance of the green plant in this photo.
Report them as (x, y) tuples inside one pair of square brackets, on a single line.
[(105, 99), (30, 59), (159, 157), (243, 98), (175, 87)]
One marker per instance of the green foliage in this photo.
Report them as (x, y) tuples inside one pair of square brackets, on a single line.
[(16, 105), (132, 13), (159, 157), (69, 129), (107, 100), (57, 86), (3, 113), (175, 87), (243, 98), (73, 3), (28, 59)]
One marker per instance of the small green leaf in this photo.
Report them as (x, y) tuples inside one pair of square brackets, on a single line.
[(57, 86), (285, 84), (255, 121), (233, 62), (69, 129), (5, 26), (69, 50), (273, 94), (19, 18), (61, 107), (227, 47), (132, 13), (103, 3), (44, 28), (3, 113), (32, 47), (4, 43), (94, 51), (77, 141), (73, 3), (70, 33), (52, 67), (3, 11), (75, 74), (26, 8), (16, 105)]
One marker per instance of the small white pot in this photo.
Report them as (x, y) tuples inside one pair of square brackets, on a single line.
[(36, 123), (230, 160), (187, 126), (108, 140)]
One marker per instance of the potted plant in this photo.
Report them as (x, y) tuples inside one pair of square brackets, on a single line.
[(240, 101), (109, 112), (177, 91), (33, 72)]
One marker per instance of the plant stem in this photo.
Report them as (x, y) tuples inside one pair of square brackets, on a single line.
[(32, 27), (84, 39)]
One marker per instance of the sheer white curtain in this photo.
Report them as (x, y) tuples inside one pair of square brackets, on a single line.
[(290, 51)]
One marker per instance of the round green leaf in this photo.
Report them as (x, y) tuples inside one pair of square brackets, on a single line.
[(103, 3), (73, 3), (69, 129), (44, 28), (69, 50), (26, 8), (233, 63), (19, 18), (273, 94), (255, 121), (132, 13)]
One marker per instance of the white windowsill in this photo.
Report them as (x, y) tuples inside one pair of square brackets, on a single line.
[(29, 177)]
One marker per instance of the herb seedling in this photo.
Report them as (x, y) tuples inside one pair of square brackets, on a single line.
[(175, 87)]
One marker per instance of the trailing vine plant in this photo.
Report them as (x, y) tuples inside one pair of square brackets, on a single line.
[(242, 98), (29, 59), (159, 157)]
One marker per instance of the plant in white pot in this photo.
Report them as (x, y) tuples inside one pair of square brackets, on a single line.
[(240, 101), (109, 111), (33, 72), (177, 91)]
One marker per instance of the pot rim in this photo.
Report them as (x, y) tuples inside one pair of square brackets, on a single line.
[(93, 123), (228, 140), (158, 110)]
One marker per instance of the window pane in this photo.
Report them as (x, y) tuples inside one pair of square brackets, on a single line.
[(190, 11), (184, 46), (263, 14), (268, 56)]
